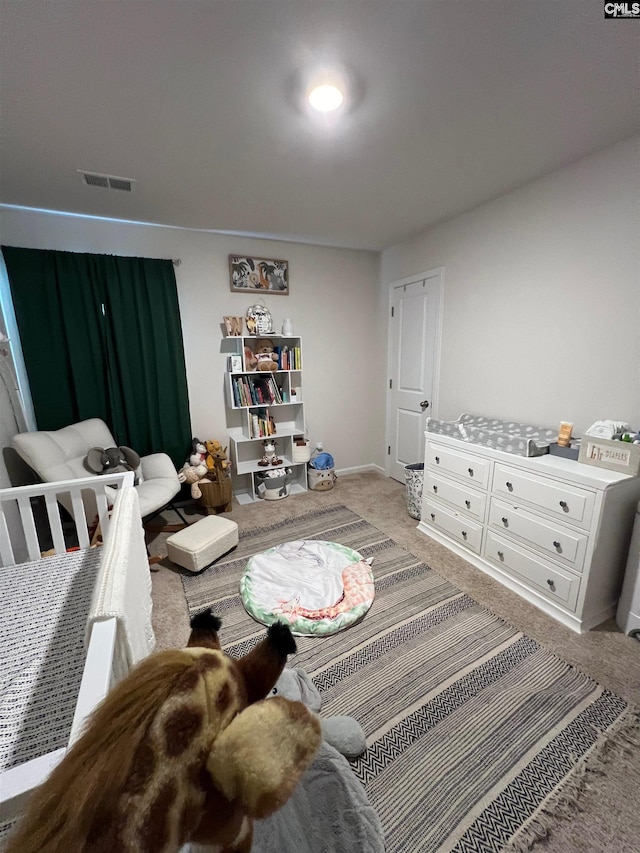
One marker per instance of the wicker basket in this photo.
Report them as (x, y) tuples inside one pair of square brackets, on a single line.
[(216, 497)]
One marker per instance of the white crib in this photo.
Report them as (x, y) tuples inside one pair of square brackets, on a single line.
[(112, 632)]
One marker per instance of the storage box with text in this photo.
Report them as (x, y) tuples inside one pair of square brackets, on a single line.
[(615, 455)]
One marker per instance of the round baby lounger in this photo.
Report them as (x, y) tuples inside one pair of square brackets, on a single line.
[(317, 587)]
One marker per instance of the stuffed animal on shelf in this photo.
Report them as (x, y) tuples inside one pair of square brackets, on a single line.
[(267, 358), (186, 748), (343, 733), (250, 360), (270, 456), (112, 460)]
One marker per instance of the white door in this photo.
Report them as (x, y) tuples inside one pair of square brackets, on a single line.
[(414, 346)]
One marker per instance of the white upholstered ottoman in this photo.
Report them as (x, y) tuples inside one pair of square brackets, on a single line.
[(200, 544)]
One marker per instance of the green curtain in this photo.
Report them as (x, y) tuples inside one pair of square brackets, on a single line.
[(101, 337)]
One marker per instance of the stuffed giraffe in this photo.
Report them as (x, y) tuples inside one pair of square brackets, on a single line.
[(185, 748)]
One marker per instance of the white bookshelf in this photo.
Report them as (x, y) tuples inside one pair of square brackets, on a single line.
[(280, 405)]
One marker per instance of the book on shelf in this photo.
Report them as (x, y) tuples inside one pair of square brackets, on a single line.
[(289, 358), (274, 391), (255, 391), (236, 393), (241, 392), (262, 424)]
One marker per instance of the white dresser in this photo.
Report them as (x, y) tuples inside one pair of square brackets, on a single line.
[(553, 530)]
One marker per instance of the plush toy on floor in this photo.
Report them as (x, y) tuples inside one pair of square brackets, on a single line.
[(343, 733), (182, 750)]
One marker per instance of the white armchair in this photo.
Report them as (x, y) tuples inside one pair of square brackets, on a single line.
[(59, 455)]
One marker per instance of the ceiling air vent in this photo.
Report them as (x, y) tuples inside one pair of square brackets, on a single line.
[(107, 182)]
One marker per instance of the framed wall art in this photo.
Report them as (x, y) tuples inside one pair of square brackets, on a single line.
[(265, 275)]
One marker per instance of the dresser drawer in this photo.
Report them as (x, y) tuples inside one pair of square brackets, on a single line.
[(554, 539), (552, 582), (570, 503), (459, 495), (463, 530), (473, 469)]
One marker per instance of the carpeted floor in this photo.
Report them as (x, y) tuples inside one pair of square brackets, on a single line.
[(609, 803)]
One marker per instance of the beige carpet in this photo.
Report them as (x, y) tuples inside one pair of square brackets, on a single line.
[(609, 816)]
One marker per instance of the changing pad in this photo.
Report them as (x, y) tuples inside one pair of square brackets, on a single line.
[(510, 436)]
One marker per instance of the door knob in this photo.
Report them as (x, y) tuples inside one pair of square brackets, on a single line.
[(424, 405)]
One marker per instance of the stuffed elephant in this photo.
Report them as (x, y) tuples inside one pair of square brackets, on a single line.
[(113, 460), (343, 733)]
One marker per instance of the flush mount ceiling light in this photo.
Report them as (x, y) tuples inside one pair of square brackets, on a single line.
[(325, 98)]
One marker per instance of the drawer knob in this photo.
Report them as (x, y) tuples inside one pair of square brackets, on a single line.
[(563, 504), (509, 486), (501, 555), (464, 534), (551, 584), (470, 470), (505, 521), (467, 504), (557, 545), (437, 460), (433, 516), (435, 488)]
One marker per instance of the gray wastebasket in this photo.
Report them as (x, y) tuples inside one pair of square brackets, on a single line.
[(414, 475)]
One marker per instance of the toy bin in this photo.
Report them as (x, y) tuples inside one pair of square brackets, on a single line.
[(321, 474), (273, 485), (301, 452), (321, 480)]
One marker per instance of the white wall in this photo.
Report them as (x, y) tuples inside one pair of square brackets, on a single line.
[(542, 297), (541, 306), (332, 303)]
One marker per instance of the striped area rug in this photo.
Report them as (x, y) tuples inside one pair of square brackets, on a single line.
[(476, 735)]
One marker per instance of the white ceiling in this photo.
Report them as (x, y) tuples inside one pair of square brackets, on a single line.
[(453, 103)]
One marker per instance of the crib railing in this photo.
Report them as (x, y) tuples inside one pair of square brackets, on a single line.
[(86, 501), (23, 537)]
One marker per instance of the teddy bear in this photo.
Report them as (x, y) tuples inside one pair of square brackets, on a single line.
[(267, 358), (343, 733)]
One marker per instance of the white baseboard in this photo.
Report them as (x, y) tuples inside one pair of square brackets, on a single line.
[(361, 469)]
